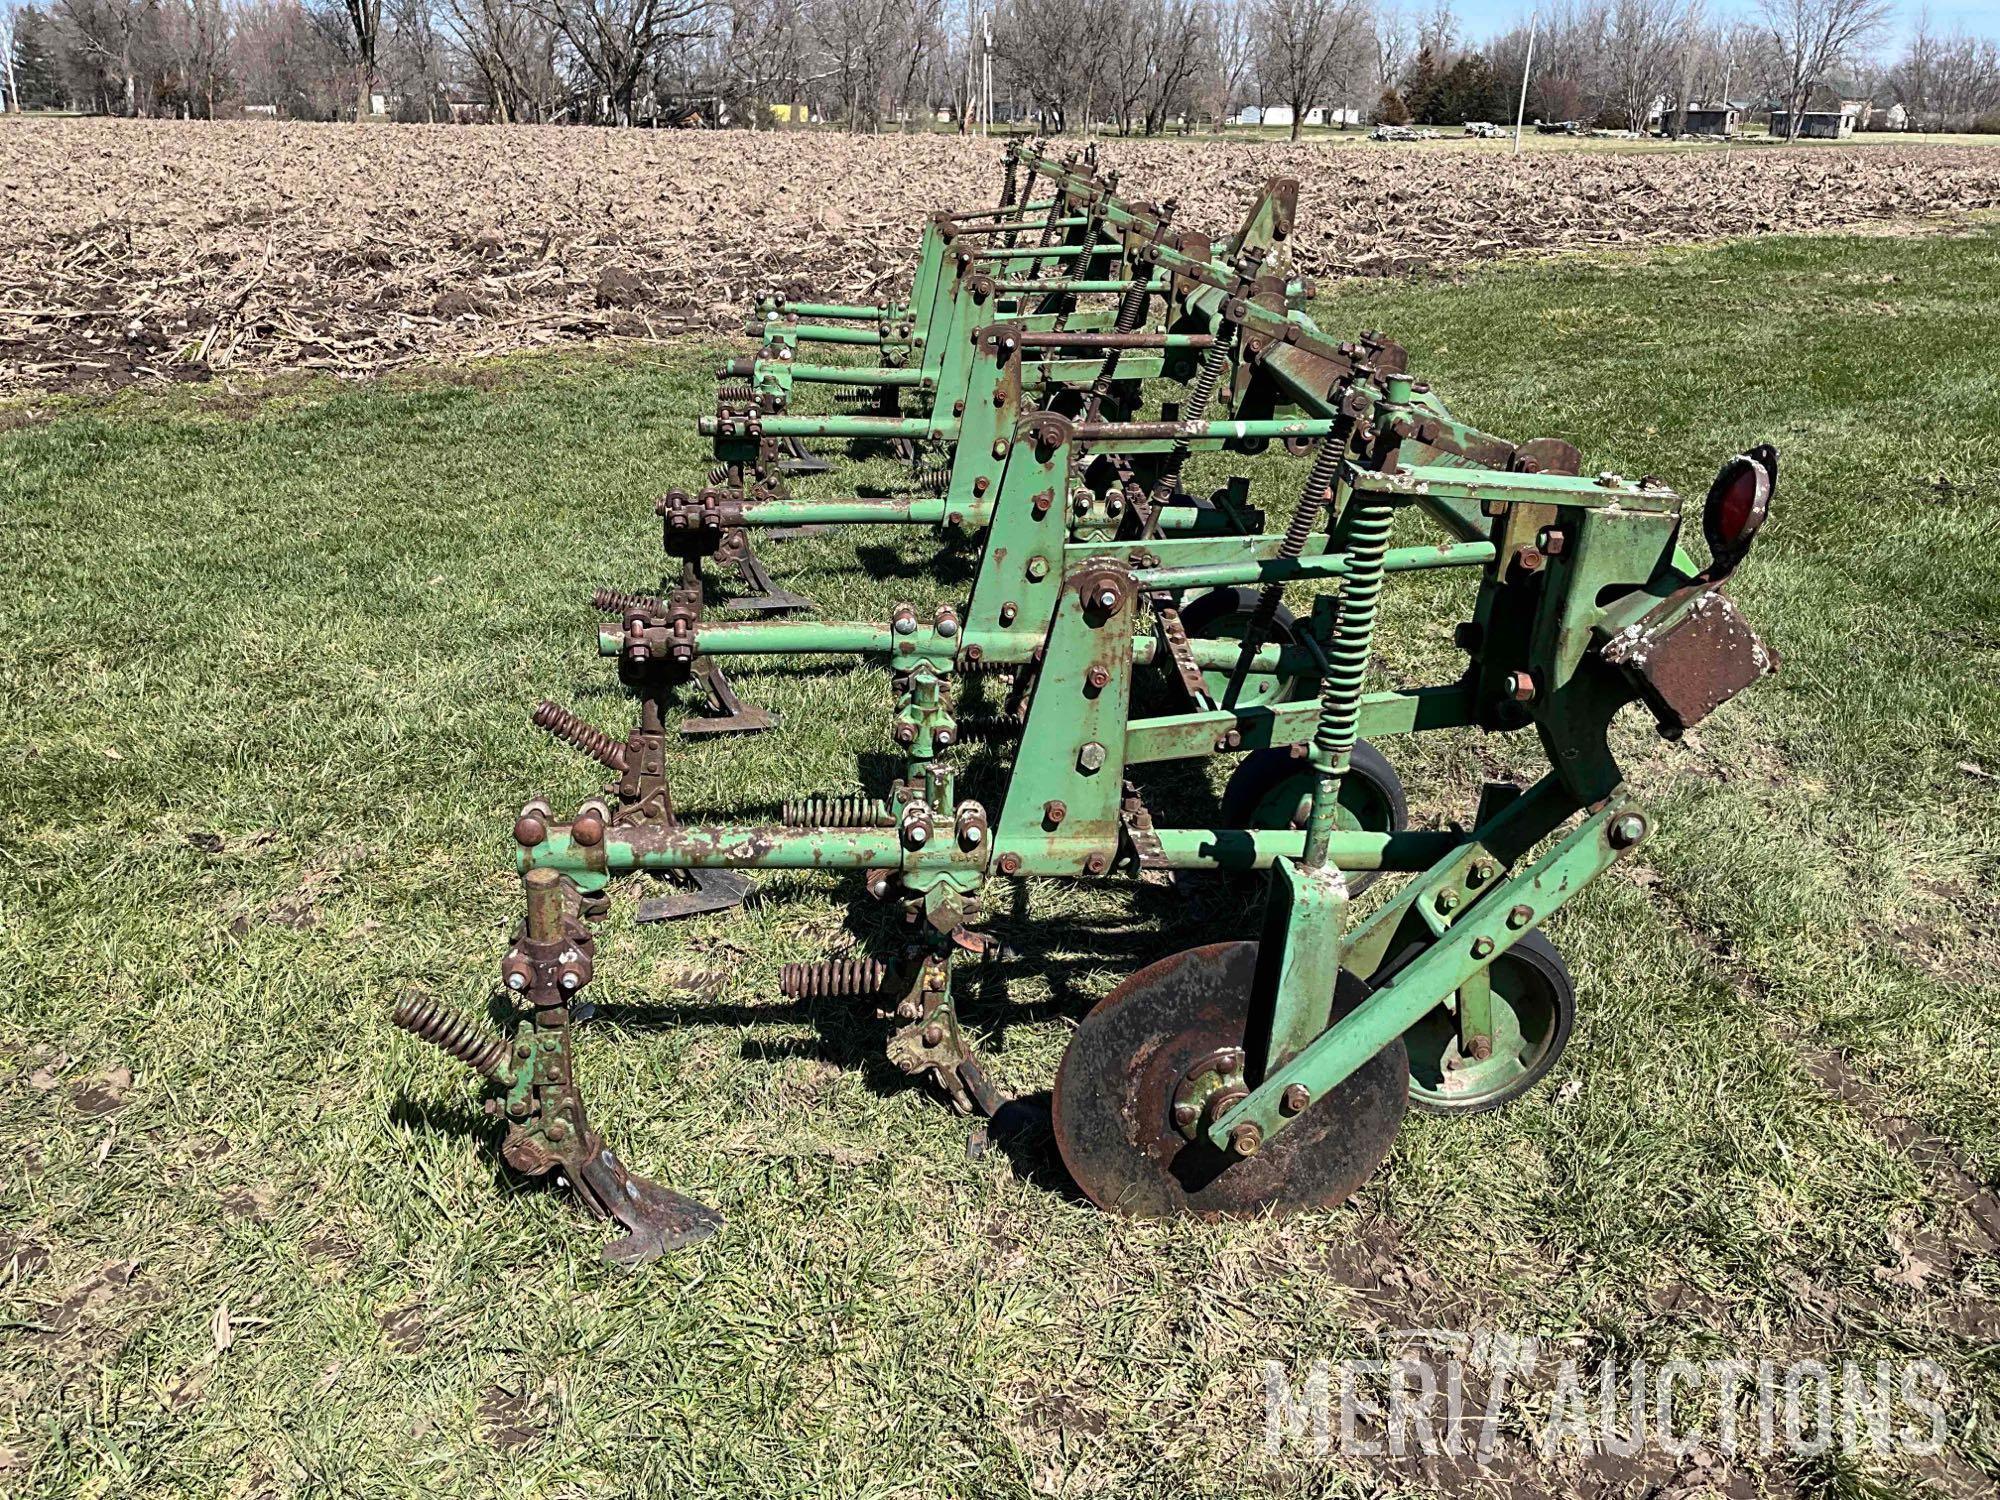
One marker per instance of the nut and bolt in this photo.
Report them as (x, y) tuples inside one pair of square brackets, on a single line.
[(1185, 1114), (1107, 599), (1447, 901), (933, 1034), (1090, 758), (1096, 864), (1627, 830), (1009, 612), (1529, 560), (1246, 1139), (1482, 947), (1038, 569), (1551, 540), (1519, 686), (1520, 916), (1479, 874), (1097, 677), (1054, 810), (1295, 1099), (1010, 864)]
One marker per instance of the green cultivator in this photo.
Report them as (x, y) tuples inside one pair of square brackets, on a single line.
[(1268, 1072)]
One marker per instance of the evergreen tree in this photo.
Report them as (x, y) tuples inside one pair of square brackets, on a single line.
[(36, 73)]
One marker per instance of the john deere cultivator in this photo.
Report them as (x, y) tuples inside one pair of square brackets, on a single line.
[(1266, 1072)]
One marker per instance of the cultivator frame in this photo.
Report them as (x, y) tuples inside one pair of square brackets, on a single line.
[(1238, 1077)]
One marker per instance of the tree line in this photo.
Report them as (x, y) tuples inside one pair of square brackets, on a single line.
[(1140, 67)]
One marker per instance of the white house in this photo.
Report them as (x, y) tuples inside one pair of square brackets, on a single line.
[(1281, 114)]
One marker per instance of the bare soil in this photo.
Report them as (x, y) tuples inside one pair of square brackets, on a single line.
[(150, 250)]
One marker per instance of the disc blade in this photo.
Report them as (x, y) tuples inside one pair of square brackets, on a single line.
[(1115, 1089)]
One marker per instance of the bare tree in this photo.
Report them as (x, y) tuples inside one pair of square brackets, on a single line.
[(1640, 51), (1811, 38), (616, 41), (365, 18), (1306, 47)]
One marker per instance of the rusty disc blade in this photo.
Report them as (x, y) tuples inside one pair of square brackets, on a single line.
[(1114, 1098)]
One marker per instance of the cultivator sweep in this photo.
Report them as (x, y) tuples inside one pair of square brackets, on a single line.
[(1265, 1073)]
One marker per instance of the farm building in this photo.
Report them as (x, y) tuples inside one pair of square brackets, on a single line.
[(1814, 124), (1714, 119), (1281, 114)]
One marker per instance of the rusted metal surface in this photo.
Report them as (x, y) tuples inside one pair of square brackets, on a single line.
[(1145, 1046), (1699, 658)]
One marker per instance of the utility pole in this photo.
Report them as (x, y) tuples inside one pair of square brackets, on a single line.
[(1527, 67)]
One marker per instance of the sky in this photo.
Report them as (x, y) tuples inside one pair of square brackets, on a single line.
[(1482, 18)]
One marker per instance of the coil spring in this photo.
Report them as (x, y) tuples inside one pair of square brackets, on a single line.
[(585, 736), (1354, 629), (451, 1033), (718, 474), (1008, 182), (618, 602), (1131, 309), (837, 812), (735, 394), (934, 478), (1312, 504), (858, 395), (1200, 394), (985, 728), (833, 978)]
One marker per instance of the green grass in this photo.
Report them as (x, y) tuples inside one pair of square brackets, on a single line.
[(265, 683)]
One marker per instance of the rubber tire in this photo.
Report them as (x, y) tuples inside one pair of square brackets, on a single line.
[(1202, 613), (1262, 772), (1537, 954)]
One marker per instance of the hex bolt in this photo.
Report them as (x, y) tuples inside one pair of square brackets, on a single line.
[(1090, 758), (1528, 560), (1038, 569), (1627, 830), (1295, 1099), (1010, 864), (981, 485), (1097, 677), (906, 734), (1551, 540), (1447, 900), (1107, 599), (1519, 686), (1054, 810), (1246, 1139), (1096, 864), (1480, 873), (1080, 502), (943, 739), (1482, 947), (1000, 448), (1520, 916)]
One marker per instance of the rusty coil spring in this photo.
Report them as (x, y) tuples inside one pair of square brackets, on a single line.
[(1131, 311), (833, 978), (837, 812), (619, 602), (934, 478), (736, 393), (718, 474), (858, 395), (1200, 394), (985, 728), (1312, 504), (451, 1033), (585, 736)]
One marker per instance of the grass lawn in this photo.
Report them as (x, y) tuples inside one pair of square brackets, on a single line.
[(269, 656)]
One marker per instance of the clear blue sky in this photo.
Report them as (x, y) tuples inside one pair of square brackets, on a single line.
[(1482, 18)]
